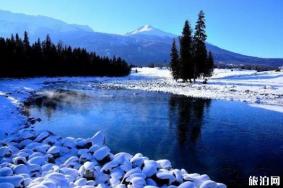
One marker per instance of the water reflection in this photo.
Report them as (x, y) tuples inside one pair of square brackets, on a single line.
[(187, 114)]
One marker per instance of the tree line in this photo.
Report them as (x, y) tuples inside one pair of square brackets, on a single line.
[(19, 58), (191, 60)]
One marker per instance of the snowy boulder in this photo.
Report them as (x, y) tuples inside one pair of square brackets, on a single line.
[(101, 153), (117, 174), (135, 175), (98, 139), (54, 150), (6, 171), (39, 186), (138, 182), (5, 152), (150, 168), (166, 176), (208, 184), (6, 185), (25, 143), (187, 184), (51, 140), (68, 142), (83, 143), (126, 166), (47, 167), (49, 184), (121, 157), (198, 179), (109, 166), (42, 148), (17, 181), (69, 171), (221, 185), (120, 186), (164, 163), (35, 170), (38, 160), (132, 171), (23, 153), (32, 145), (85, 157), (13, 147), (87, 170), (71, 161), (58, 179), (178, 175), (80, 182), (21, 169), (190, 177), (42, 136), (151, 182), (93, 148), (137, 160), (27, 134)]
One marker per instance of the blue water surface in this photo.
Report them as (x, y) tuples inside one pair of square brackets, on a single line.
[(229, 141)]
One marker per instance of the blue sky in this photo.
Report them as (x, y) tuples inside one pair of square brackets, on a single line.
[(251, 27)]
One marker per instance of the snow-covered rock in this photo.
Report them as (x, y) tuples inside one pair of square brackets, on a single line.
[(6, 171), (21, 169), (150, 168), (16, 180), (98, 139), (164, 163), (101, 153)]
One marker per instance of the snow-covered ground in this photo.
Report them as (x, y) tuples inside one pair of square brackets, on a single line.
[(27, 159), (259, 89)]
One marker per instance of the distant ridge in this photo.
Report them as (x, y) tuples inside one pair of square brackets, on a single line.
[(144, 46)]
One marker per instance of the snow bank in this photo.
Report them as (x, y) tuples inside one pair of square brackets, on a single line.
[(265, 88)]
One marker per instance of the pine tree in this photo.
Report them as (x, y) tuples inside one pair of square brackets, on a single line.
[(186, 63), (174, 63), (26, 41), (200, 52), (209, 65)]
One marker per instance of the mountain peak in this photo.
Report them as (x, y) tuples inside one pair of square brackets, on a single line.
[(150, 31)]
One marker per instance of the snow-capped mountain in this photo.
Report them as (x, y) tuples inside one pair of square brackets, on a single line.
[(143, 46), (151, 31)]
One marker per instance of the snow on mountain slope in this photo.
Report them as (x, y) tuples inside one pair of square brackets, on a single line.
[(151, 31)]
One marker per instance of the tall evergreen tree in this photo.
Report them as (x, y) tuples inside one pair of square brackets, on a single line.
[(174, 63), (186, 58), (26, 41), (209, 65), (200, 53)]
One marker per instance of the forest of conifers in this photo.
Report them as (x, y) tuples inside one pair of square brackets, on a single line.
[(20, 58)]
